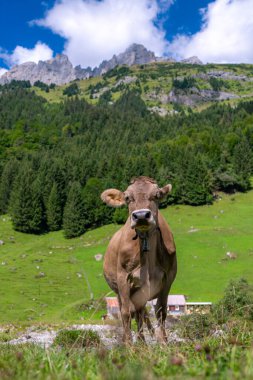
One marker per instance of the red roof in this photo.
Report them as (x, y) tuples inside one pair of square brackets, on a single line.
[(112, 301)]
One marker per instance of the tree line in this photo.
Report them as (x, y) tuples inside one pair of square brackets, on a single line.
[(56, 159)]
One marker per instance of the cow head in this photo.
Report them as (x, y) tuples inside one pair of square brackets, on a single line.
[(141, 197)]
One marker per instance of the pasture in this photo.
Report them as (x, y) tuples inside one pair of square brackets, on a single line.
[(48, 278)]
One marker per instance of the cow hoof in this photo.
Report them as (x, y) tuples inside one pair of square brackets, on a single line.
[(127, 340), (141, 339), (161, 336)]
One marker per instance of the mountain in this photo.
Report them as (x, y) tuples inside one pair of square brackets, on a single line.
[(136, 54), (192, 61), (60, 70)]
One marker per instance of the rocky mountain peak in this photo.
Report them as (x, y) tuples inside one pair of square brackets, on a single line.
[(137, 54), (59, 70), (192, 60)]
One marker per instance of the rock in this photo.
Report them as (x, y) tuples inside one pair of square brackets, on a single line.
[(98, 257), (165, 59), (192, 61), (126, 80), (40, 275), (135, 54), (160, 96), (191, 230), (218, 333), (60, 70), (160, 111), (227, 75), (194, 96), (42, 338), (231, 255)]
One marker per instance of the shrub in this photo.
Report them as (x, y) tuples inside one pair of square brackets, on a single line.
[(184, 84), (237, 301), (71, 90), (120, 215), (77, 339), (196, 326)]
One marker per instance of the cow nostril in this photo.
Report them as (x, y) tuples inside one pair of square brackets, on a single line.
[(148, 215), (134, 216)]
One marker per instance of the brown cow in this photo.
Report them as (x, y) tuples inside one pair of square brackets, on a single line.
[(140, 262)]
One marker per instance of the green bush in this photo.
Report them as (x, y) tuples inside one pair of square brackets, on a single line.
[(71, 90), (196, 326), (184, 84), (237, 301), (120, 215), (77, 339)]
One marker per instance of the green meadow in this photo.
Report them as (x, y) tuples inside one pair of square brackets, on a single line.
[(48, 278)]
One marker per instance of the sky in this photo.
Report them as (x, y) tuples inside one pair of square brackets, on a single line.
[(89, 31)]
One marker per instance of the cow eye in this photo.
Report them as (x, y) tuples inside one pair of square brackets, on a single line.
[(158, 195), (128, 199)]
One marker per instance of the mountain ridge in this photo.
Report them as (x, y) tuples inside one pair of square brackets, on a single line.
[(59, 70)]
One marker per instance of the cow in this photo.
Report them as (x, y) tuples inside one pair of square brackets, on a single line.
[(140, 262)]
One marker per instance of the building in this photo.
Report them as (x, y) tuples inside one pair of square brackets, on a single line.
[(177, 306), (112, 307)]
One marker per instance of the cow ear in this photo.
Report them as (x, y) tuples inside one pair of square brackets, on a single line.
[(164, 191), (113, 198)]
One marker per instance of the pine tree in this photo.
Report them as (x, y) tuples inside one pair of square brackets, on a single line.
[(38, 220), (74, 212), (6, 184), (54, 209), (97, 213), (193, 183), (27, 209), (243, 163)]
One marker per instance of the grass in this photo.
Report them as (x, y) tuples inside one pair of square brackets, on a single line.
[(212, 358), (77, 338), (210, 349), (48, 278)]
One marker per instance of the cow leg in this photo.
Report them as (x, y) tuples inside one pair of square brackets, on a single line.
[(125, 311), (139, 317), (161, 314), (148, 323)]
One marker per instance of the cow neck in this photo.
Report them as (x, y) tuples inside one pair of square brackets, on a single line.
[(144, 238)]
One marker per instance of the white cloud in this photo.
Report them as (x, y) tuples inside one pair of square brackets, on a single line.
[(95, 30), (2, 71), (21, 54), (225, 36)]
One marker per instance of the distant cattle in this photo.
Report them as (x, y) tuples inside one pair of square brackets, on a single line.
[(140, 262)]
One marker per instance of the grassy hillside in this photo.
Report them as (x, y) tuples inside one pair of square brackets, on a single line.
[(48, 278), (155, 81)]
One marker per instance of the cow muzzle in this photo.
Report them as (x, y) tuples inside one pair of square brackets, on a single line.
[(142, 220)]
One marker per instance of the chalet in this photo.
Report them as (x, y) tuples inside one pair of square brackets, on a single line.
[(112, 306), (177, 306)]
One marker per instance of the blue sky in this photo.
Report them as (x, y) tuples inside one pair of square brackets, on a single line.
[(89, 31)]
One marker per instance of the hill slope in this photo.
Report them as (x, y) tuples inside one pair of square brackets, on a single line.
[(167, 87), (48, 278)]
